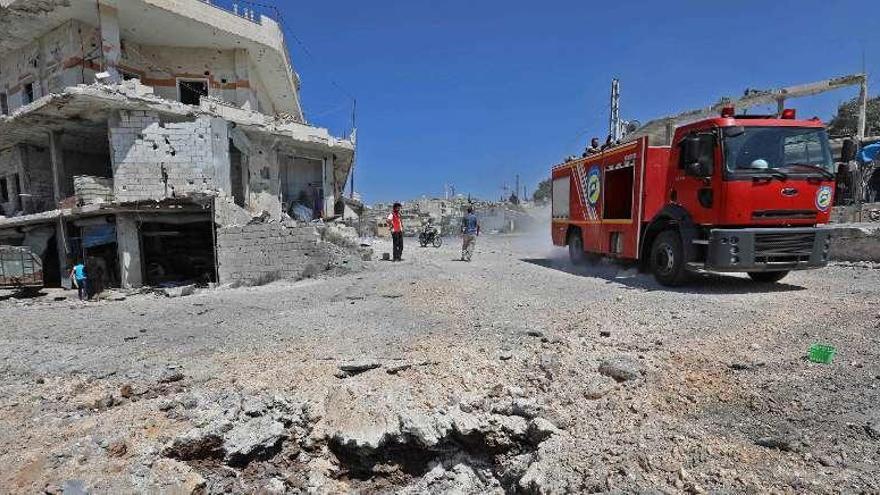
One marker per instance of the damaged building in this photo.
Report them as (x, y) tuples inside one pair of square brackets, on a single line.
[(160, 141)]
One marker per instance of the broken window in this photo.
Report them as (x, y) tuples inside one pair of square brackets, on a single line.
[(4, 104), (192, 91), (28, 96), (4, 190)]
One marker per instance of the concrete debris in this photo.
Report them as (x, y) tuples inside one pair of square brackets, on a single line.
[(117, 448), (170, 376), (351, 369), (179, 291), (621, 368), (74, 487), (256, 437), (597, 386)]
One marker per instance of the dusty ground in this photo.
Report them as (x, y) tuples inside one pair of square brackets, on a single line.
[(488, 380)]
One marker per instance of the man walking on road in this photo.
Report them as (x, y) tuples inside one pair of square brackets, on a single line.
[(395, 224), (470, 229)]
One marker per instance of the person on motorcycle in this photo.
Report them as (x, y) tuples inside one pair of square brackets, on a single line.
[(430, 234)]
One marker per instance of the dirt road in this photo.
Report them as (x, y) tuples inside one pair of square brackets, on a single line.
[(513, 373)]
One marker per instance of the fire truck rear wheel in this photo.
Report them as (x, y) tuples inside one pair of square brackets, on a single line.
[(667, 259), (767, 277), (576, 248)]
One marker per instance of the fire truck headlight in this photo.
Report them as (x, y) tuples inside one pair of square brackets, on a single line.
[(724, 240), (734, 250), (734, 260), (734, 240)]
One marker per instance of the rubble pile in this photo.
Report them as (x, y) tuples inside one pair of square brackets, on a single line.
[(269, 442)]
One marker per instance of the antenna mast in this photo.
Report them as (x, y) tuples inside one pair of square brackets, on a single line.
[(614, 118)]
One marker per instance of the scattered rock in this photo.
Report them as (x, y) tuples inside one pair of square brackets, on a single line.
[(197, 443), (170, 376), (126, 391), (535, 333), (745, 366), (74, 487), (604, 333), (175, 477), (779, 442), (621, 368), (598, 386), (505, 355), (117, 448), (397, 369), (541, 429), (522, 407), (180, 291), (873, 430), (275, 486), (351, 369), (104, 402), (256, 437)]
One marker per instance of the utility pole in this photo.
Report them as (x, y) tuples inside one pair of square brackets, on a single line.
[(863, 101), (614, 118), (354, 106)]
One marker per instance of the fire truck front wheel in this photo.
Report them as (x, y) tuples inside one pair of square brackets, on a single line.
[(667, 259)]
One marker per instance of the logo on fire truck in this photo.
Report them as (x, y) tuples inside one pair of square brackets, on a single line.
[(823, 198), (594, 185)]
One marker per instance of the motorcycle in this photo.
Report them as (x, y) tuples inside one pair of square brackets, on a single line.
[(430, 235)]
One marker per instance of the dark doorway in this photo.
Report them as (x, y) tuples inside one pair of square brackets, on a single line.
[(191, 92), (102, 267), (175, 253), (51, 269), (236, 175)]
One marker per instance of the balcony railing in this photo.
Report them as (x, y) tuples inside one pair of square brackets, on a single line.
[(250, 11)]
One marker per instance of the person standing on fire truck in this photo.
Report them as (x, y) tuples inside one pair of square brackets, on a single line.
[(395, 224)]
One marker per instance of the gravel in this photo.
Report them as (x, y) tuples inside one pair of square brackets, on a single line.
[(629, 387)]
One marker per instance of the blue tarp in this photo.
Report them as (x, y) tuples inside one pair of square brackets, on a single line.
[(98, 235), (869, 153)]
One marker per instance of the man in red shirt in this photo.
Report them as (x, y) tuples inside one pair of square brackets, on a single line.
[(395, 224)]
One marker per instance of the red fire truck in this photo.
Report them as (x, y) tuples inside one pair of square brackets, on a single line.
[(731, 193)]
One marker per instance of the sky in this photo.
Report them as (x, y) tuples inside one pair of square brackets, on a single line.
[(472, 93)]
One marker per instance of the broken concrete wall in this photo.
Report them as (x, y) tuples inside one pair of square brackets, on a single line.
[(58, 59), (856, 242), (229, 78), (264, 181), (262, 252), (92, 190), (153, 160), (29, 179)]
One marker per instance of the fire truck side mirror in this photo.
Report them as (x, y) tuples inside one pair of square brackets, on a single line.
[(698, 154)]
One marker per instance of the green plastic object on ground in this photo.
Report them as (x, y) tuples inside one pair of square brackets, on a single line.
[(822, 353)]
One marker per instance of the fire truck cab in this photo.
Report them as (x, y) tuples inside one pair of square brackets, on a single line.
[(730, 194)]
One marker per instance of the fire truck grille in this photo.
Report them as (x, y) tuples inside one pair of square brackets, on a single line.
[(777, 214), (783, 248)]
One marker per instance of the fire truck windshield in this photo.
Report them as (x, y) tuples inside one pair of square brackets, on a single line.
[(778, 150)]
